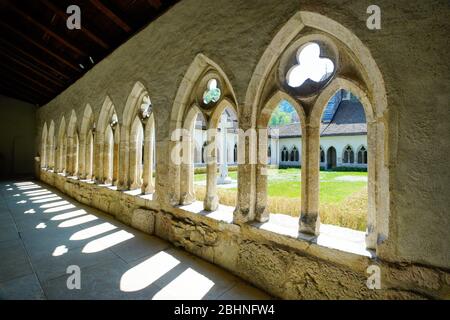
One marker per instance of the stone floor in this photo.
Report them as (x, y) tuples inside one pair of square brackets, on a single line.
[(43, 233)]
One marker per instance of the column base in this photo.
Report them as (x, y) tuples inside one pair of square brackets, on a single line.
[(371, 238), (147, 189), (211, 203), (187, 198), (262, 214), (121, 186), (135, 186), (242, 214), (309, 224)]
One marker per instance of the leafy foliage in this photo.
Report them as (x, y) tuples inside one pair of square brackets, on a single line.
[(283, 114)]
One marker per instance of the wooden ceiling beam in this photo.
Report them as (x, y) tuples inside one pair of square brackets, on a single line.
[(19, 96), (111, 15), (24, 76), (40, 46), (22, 88), (47, 30), (84, 30), (36, 60), (30, 67), (154, 3)]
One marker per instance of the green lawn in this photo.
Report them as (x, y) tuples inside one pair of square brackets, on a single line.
[(334, 186)]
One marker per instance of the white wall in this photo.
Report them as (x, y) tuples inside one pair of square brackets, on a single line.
[(339, 143)]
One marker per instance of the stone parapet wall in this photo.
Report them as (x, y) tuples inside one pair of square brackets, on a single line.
[(285, 267)]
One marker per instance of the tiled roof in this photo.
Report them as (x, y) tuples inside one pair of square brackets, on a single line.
[(349, 119)]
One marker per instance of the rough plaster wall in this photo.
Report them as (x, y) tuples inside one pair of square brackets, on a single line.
[(410, 50), (17, 133)]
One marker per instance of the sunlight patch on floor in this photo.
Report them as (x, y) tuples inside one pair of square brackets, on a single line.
[(107, 241), (147, 272), (68, 215), (59, 251), (60, 208), (77, 221), (92, 231), (190, 285)]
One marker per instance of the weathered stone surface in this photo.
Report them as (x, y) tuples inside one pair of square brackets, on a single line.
[(406, 191), (285, 267), (143, 220)]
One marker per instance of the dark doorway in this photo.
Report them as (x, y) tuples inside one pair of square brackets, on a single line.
[(331, 158)]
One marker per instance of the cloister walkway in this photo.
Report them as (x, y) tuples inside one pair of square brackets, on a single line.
[(43, 233)]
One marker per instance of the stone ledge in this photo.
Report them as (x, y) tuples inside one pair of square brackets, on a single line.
[(270, 255)]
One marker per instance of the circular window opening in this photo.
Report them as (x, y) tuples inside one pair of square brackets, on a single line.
[(311, 72), (212, 93)]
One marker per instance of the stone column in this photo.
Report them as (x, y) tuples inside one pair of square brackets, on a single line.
[(262, 212), (107, 160), (82, 158), (133, 169), (211, 201), (88, 167), (147, 183), (371, 232), (187, 191), (65, 157), (224, 178), (309, 217), (98, 158), (48, 153), (247, 159), (116, 157), (124, 155), (70, 156)]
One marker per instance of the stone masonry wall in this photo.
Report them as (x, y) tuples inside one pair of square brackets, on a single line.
[(409, 51)]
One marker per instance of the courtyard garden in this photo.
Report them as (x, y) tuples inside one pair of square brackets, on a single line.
[(343, 195)]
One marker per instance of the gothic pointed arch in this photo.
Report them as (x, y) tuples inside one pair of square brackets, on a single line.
[(355, 70), (86, 156), (138, 107), (44, 146), (61, 148), (205, 87), (72, 144), (106, 143), (51, 146)]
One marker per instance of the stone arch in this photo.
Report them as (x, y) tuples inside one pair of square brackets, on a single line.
[(262, 213), (106, 155), (136, 145), (51, 146), (72, 145), (184, 100), (187, 190), (273, 102), (368, 84), (86, 156), (336, 85), (44, 148), (128, 170), (377, 213), (62, 145)]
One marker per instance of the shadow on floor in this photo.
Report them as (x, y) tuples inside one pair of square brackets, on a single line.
[(47, 239)]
